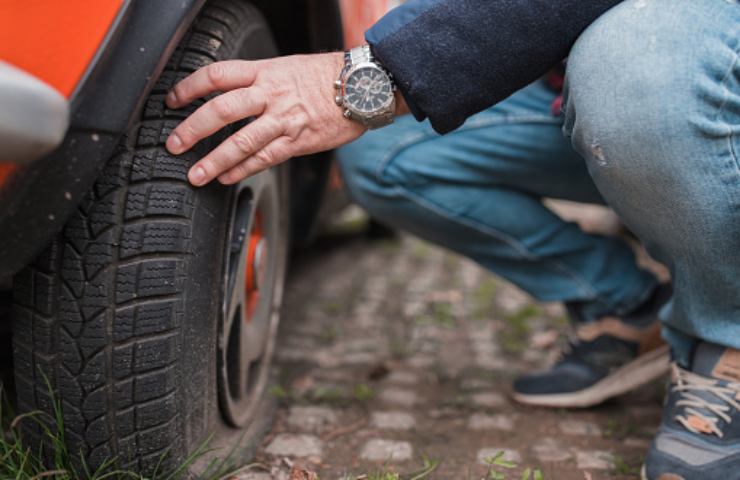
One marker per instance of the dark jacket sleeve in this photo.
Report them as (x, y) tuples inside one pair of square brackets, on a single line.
[(454, 58)]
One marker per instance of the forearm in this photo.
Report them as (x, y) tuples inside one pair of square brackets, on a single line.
[(454, 58)]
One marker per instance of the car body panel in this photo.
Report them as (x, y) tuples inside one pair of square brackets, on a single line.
[(359, 15), (54, 40)]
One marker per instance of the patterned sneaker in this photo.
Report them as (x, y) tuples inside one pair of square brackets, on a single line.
[(699, 436), (609, 357)]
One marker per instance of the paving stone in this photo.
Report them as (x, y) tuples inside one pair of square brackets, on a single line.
[(421, 361), (490, 362), (594, 459), (579, 428), (362, 344), (488, 399), (310, 418), (511, 299), (481, 421), (359, 358), (393, 420), (490, 452), (295, 445), (291, 354), (407, 398), (252, 476), (327, 359), (402, 377), (551, 450), (379, 450), (476, 384), (336, 375)]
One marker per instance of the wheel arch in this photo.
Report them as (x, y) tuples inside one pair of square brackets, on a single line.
[(39, 198)]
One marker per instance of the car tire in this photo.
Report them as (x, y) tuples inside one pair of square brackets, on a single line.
[(151, 319)]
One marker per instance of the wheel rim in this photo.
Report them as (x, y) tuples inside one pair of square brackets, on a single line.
[(252, 287)]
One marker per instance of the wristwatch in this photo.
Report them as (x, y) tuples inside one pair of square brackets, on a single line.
[(365, 90)]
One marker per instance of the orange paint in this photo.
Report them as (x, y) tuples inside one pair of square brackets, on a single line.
[(252, 285), (54, 40), (358, 16), (5, 170)]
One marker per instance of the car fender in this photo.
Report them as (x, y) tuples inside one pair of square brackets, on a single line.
[(37, 198)]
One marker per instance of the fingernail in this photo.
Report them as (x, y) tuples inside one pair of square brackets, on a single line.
[(174, 143), (197, 175), (171, 99)]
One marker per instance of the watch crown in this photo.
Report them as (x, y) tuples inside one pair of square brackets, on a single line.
[(338, 84), (338, 100), (347, 114)]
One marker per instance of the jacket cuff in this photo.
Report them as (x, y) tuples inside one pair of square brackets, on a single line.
[(418, 114)]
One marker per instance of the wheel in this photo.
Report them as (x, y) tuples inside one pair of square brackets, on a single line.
[(153, 315)]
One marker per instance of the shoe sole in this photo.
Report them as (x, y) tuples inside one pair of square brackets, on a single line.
[(636, 373)]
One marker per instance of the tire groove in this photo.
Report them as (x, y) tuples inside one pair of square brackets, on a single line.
[(109, 307)]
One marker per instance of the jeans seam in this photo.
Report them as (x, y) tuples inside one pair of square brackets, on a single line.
[(474, 124), (585, 288), (721, 109)]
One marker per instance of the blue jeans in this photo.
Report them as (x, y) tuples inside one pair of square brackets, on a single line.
[(653, 110)]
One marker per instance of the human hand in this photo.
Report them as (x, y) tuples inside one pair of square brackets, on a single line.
[(292, 99)]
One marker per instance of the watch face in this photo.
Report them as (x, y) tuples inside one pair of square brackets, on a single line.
[(368, 90)]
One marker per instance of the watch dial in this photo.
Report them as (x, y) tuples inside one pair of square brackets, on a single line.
[(368, 90)]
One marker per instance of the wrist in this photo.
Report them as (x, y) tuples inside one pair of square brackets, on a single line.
[(402, 107)]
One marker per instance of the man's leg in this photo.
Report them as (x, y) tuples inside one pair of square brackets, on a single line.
[(654, 106), (479, 191)]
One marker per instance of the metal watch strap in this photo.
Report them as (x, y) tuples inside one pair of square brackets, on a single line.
[(360, 55), (378, 121)]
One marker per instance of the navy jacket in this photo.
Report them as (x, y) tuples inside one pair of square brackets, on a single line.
[(454, 58)]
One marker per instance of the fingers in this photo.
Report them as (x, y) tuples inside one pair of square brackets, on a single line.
[(241, 145), (219, 76), (276, 152), (214, 115)]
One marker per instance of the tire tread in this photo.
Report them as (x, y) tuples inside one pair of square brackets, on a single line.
[(99, 313)]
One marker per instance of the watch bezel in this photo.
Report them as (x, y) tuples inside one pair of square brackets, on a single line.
[(383, 109)]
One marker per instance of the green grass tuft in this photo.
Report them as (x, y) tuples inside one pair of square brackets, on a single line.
[(53, 460)]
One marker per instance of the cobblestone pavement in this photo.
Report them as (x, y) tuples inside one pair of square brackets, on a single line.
[(393, 352)]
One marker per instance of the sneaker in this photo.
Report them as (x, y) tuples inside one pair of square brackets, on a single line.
[(609, 357), (699, 436)]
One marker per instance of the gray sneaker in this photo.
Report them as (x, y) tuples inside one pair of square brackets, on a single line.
[(699, 436)]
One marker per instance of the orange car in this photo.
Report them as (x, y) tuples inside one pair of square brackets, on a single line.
[(151, 307)]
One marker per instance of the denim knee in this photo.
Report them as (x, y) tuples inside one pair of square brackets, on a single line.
[(363, 164), (648, 97), (622, 84)]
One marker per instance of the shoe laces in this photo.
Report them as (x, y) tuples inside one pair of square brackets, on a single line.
[(699, 414)]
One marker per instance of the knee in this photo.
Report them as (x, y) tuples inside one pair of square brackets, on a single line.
[(364, 165), (623, 83)]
